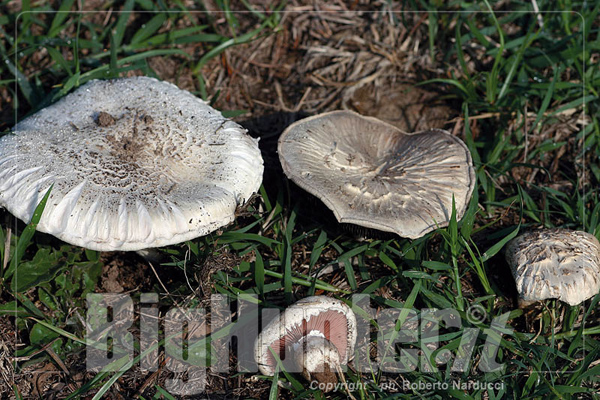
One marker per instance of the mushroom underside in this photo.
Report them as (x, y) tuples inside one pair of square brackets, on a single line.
[(332, 325), (371, 174)]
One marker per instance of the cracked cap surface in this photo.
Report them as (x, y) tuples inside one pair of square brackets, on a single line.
[(555, 264)]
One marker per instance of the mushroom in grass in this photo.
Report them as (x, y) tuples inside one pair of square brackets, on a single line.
[(372, 174), (555, 264), (135, 163), (316, 336)]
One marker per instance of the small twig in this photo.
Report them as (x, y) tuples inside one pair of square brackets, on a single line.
[(343, 378), (537, 12), (162, 284), (7, 249), (457, 127), (526, 136), (539, 332), (35, 353), (566, 112), (302, 100), (83, 322), (279, 92), (267, 222), (63, 367), (108, 15), (148, 382), (185, 259), (267, 105)]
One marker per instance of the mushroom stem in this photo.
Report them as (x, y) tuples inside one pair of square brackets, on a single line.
[(151, 255), (319, 360)]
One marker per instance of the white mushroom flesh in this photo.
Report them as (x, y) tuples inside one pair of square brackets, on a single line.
[(316, 357), (135, 163)]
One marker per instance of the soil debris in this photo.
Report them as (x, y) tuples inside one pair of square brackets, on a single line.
[(105, 119)]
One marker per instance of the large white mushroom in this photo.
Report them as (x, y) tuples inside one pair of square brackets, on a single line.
[(555, 264), (314, 336), (370, 173), (135, 163)]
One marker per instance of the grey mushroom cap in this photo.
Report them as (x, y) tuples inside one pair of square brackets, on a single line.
[(372, 174), (555, 264), (134, 163)]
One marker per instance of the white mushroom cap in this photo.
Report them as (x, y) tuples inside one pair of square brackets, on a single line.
[(318, 317), (555, 264), (135, 163), (370, 173)]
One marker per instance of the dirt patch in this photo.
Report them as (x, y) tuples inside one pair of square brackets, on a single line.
[(105, 119), (123, 272), (328, 59), (405, 106), (126, 144)]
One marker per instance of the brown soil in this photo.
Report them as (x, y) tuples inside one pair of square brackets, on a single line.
[(105, 119), (124, 272)]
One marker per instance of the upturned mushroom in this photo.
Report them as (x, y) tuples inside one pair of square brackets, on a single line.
[(555, 264), (316, 336), (370, 173), (135, 163)]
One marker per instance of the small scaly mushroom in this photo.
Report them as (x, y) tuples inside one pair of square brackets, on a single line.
[(370, 173), (134, 163), (555, 264), (316, 335)]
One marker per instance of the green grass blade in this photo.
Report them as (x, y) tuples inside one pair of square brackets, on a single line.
[(59, 18), (287, 257), (59, 59), (28, 91), (274, 385), (247, 37), (516, 63), (28, 233), (121, 25), (574, 104), (149, 28), (259, 273), (492, 251)]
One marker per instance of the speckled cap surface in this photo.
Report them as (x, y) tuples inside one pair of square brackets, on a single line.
[(555, 264), (135, 163), (372, 174)]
